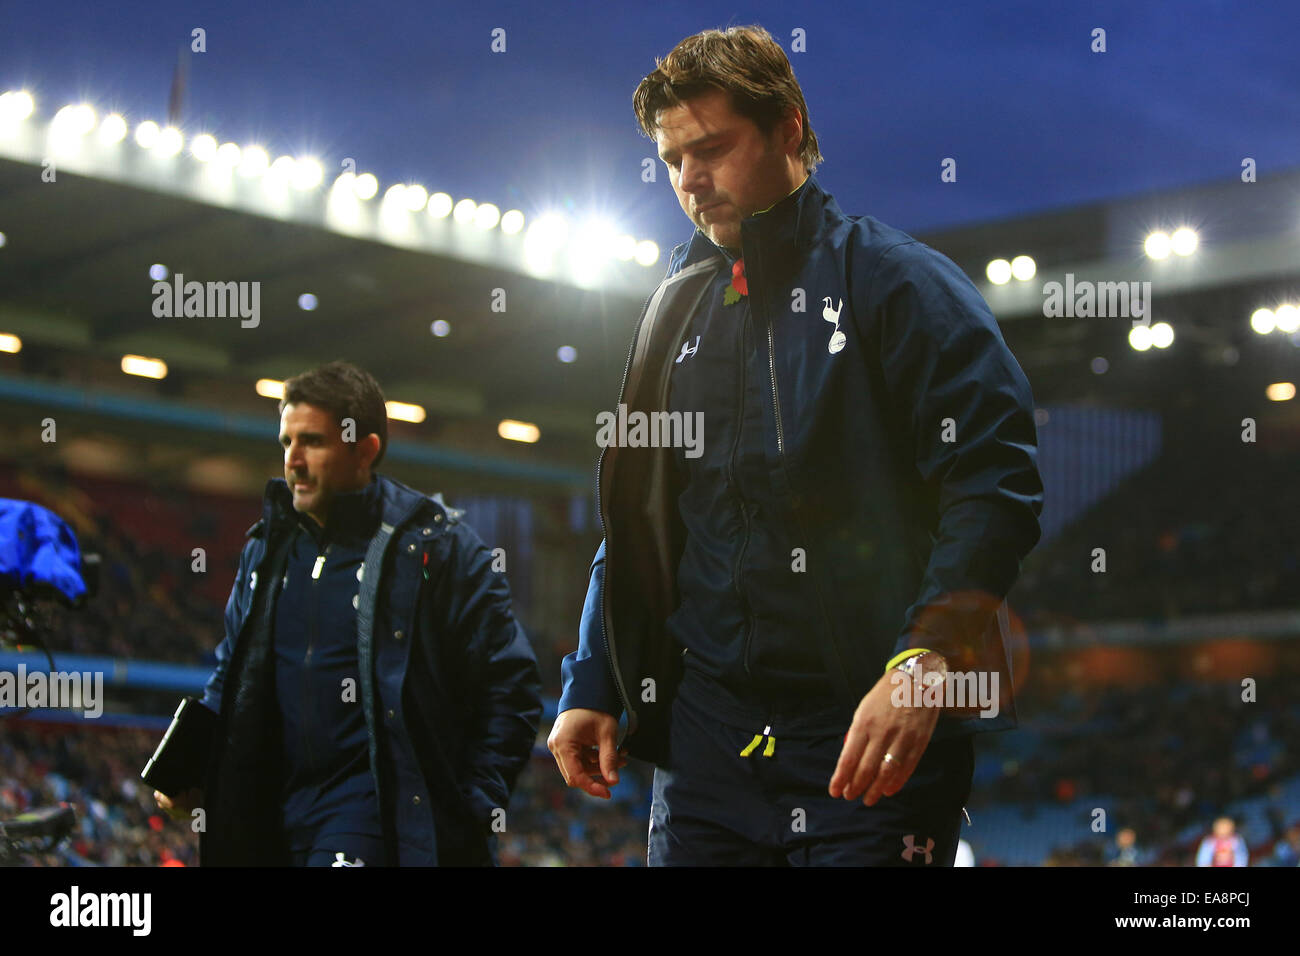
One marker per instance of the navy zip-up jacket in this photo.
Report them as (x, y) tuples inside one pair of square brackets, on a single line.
[(898, 433), (741, 617), (449, 689), (328, 786)]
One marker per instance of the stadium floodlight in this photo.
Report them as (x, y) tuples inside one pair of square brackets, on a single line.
[(566, 354), (404, 412), (394, 217), (1162, 335), (1280, 391), (1023, 268), (463, 211), (1157, 245), (10, 343), (112, 130), (1263, 321), (270, 388), (998, 271), (518, 431), (159, 272), (282, 170), (590, 247), (307, 173), (1183, 241), (544, 238), (204, 148), (1139, 337), (169, 142), (15, 106), (345, 183), (486, 216), (416, 197), (366, 187), (68, 127), (647, 252), (77, 120), (144, 367), (625, 247), (307, 302), (254, 161), (1287, 318), (229, 155), (512, 222), (146, 134), (441, 328), (3, 240), (440, 206)]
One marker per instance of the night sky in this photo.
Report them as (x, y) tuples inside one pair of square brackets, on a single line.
[(413, 92)]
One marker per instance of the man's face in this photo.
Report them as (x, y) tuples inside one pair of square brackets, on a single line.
[(318, 463), (722, 168)]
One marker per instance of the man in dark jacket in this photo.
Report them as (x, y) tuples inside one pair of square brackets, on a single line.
[(805, 605), (377, 697)]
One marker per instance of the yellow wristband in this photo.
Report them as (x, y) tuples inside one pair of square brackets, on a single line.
[(899, 658)]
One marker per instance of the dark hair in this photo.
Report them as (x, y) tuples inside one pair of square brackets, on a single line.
[(345, 391), (743, 61)]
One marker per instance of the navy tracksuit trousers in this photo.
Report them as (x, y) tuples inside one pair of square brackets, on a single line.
[(714, 807)]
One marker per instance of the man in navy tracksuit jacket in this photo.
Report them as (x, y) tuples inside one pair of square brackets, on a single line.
[(376, 696), (862, 498)]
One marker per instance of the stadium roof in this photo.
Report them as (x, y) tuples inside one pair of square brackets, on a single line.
[(75, 286)]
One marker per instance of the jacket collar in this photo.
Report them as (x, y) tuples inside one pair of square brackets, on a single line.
[(395, 503), (354, 515), (781, 233)]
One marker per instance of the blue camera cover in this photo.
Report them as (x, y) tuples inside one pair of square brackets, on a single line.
[(38, 550)]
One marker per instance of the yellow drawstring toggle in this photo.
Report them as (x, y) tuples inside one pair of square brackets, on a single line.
[(758, 738)]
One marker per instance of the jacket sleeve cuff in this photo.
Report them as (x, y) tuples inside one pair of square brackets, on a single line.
[(587, 684)]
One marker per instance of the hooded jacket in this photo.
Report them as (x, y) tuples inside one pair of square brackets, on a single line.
[(902, 442), (449, 687)]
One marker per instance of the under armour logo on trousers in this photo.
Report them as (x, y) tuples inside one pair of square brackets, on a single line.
[(909, 842)]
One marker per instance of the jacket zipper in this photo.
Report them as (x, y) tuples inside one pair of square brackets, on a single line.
[(744, 506), (312, 634), (610, 656), (780, 451), (776, 403)]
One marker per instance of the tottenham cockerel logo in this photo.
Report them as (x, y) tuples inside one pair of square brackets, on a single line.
[(688, 350), (910, 848), (833, 315)]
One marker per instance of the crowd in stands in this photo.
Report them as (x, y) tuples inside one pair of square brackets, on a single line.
[(1159, 763), (1163, 757), (1191, 534)]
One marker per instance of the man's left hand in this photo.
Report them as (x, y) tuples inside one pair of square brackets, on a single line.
[(880, 726)]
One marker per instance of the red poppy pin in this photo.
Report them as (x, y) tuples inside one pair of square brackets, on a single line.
[(739, 284)]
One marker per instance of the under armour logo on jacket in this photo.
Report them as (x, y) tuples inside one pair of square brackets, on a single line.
[(341, 860), (909, 841), (833, 315), (688, 350)]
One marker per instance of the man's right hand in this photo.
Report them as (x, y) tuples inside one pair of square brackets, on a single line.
[(584, 745), (181, 807)]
